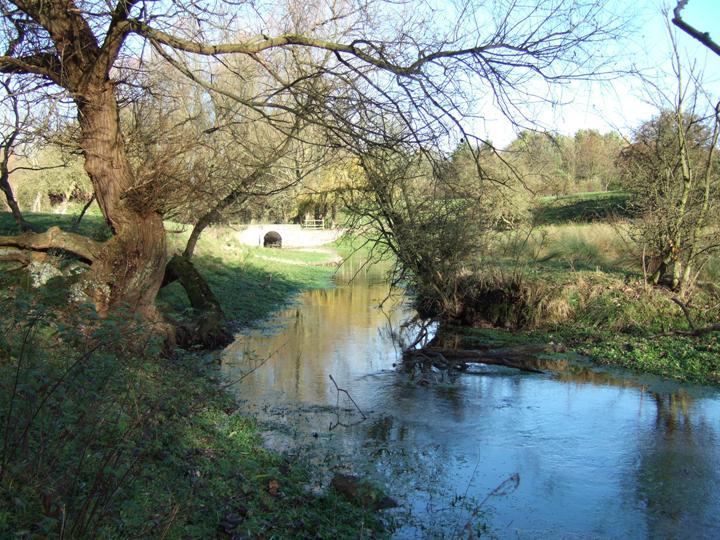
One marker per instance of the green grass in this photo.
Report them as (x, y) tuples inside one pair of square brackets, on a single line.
[(582, 208), (92, 225), (250, 282), (693, 359)]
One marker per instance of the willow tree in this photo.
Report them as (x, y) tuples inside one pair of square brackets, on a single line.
[(350, 61)]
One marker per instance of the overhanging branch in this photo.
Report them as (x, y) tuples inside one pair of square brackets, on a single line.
[(44, 64), (702, 37)]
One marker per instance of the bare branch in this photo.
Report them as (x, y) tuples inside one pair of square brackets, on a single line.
[(43, 64), (702, 37)]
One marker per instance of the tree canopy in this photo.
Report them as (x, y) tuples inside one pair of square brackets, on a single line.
[(361, 72)]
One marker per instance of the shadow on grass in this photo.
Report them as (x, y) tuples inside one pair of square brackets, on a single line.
[(249, 291), (92, 225), (584, 209)]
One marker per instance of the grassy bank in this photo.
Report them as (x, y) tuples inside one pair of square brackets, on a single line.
[(582, 283), (250, 282), (102, 437)]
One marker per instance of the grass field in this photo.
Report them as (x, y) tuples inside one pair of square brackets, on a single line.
[(582, 208)]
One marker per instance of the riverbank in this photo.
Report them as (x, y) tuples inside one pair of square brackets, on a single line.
[(105, 438), (577, 279)]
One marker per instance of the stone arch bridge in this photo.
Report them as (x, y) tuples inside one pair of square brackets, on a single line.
[(292, 236)]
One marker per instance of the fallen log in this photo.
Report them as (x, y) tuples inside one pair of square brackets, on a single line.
[(695, 332), (524, 358)]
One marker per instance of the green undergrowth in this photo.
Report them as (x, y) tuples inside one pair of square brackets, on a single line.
[(102, 437), (582, 284), (613, 318), (692, 359)]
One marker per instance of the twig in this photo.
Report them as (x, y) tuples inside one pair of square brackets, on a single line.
[(506, 487), (685, 311), (337, 407), (254, 369)]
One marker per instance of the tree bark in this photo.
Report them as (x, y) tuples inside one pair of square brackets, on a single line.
[(209, 329), (130, 267), (23, 226), (55, 238), (204, 222)]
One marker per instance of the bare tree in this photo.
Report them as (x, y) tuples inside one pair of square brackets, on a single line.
[(10, 134), (20, 123), (671, 170)]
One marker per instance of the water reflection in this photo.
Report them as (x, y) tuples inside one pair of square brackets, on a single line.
[(677, 477), (599, 455)]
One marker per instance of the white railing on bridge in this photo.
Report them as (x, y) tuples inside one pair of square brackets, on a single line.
[(313, 224)]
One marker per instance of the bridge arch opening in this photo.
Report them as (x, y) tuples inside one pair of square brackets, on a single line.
[(272, 240)]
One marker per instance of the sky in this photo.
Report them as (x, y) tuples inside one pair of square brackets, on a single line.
[(624, 103)]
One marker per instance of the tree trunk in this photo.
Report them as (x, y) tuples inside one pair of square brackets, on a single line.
[(235, 197), (209, 329), (37, 203), (130, 267), (86, 206), (199, 227), (6, 188)]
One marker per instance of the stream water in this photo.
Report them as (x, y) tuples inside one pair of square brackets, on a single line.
[(580, 454)]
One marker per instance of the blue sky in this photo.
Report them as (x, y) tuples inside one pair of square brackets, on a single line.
[(624, 103)]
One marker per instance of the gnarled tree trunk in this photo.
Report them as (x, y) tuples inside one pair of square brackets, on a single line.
[(129, 269)]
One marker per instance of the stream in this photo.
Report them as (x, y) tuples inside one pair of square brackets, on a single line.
[(575, 454)]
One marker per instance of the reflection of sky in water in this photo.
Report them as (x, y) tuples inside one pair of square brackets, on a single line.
[(598, 456)]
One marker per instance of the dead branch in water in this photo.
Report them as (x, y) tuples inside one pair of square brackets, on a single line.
[(523, 358), (337, 407)]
